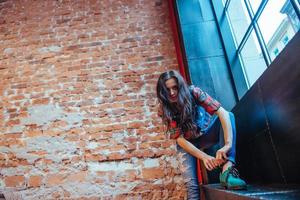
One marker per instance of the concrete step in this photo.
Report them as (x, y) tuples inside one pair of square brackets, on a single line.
[(270, 192)]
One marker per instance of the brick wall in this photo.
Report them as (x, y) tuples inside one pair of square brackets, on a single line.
[(77, 100)]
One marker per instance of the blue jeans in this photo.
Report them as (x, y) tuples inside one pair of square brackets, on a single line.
[(212, 136)]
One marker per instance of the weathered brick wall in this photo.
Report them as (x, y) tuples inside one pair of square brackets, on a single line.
[(77, 100)]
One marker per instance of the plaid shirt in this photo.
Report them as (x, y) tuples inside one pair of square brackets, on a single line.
[(202, 99)]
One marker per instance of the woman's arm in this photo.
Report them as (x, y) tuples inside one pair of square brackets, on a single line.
[(227, 129), (209, 161)]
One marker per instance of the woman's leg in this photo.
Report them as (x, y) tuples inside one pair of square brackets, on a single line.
[(190, 175), (232, 152), (215, 135), (229, 177)]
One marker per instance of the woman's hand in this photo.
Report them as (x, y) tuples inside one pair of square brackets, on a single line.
[(222, 153), (211, 163)]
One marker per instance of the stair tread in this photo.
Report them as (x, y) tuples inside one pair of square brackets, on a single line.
[(282, 192)]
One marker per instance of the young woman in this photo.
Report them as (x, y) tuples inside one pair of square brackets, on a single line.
[(197, 121)]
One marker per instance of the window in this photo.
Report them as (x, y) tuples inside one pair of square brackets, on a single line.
[(252, 59), (276, 52), (254, 5), (285, 40), (239, 21), (261, 29)]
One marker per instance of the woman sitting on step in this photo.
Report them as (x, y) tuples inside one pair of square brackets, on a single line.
[(196, 121)]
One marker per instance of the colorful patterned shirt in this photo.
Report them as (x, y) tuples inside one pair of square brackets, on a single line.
[(206, 107)]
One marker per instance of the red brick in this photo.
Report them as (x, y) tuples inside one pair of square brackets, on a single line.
[(127, 175), (55, 179), (152, 173), (77, 177), (13, 122), (14, 181), (40, 101), (136, 125), (117, 156), (33, 133), (35, 181), (98, 157)]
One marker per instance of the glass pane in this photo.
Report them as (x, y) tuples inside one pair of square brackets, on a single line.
[(240, 20), (278, 24), (254, 5), (252, 58)]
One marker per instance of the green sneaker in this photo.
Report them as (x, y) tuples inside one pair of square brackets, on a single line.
[(230, 179)]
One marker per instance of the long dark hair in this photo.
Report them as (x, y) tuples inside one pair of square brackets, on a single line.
[(183, 111)]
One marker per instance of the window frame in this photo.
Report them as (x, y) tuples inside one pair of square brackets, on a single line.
[(253, 26)]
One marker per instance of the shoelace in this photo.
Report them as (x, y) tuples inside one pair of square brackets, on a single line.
[(234, 172)]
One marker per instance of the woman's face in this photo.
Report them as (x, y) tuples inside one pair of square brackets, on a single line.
[(172, 88)]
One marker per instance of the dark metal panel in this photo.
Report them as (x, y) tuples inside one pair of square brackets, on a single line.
[(194, 11), (274, 192), (280, 86), (201, 40), (256, 156), (222, 81), (219, 86), (201, 75), (250, 115), (256, 159)]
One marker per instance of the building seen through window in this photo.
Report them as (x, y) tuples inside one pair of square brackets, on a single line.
[(261, 30)]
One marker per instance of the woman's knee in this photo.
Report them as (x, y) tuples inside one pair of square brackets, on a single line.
[(231, 115)]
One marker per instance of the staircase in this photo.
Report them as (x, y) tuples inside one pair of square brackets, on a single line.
[(270, 192)]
